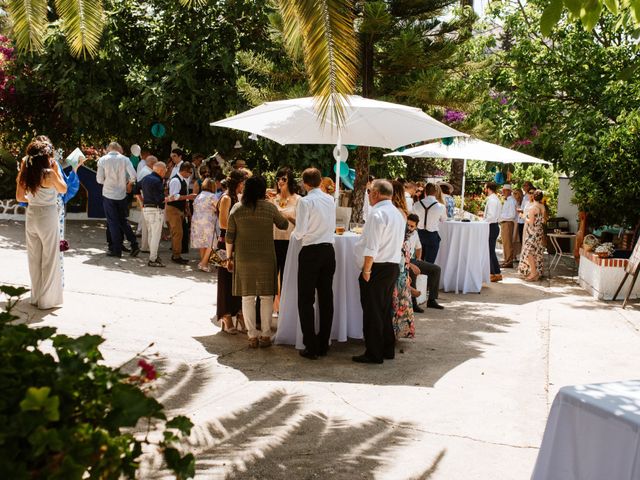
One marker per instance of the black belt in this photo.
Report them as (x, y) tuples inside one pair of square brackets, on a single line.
[(153, 205), (319, 245)]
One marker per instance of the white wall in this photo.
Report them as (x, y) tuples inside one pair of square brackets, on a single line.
[(565, 207)]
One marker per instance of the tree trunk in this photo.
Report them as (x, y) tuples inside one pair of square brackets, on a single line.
[(362, 153), (360, 185), (457, 172)]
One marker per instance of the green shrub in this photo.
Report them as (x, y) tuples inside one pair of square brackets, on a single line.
[(65, 415)]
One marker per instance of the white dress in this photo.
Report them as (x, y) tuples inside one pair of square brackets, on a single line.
[(43, 248)]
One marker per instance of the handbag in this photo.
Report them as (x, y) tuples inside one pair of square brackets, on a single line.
[(218, 258), (64, 245)]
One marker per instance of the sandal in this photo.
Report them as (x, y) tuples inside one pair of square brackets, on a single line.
[(240, 323), (254, 342), (204, 268), (227, 325)]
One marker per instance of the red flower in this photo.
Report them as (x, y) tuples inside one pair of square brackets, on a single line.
[(148, 369)]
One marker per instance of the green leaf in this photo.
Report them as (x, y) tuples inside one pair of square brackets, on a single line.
[(550, 17), (635, 9), (628, 72), (12, 292), (183, 467), (590, 14), (574, 6), (37, 399), (43, 439), (29, 19), (612, 5), (82, 23), (181, 423), (130, 404)]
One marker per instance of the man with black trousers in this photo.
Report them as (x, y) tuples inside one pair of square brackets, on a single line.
[(419, 266), (379, 252), (492, 210), (430, 213), (315, 223)]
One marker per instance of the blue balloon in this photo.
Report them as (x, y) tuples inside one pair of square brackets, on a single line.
[(352, 175), (499, 178), (344, 169), (158, 130)]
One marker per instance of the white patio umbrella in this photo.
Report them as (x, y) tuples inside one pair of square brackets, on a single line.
[(468, 149), (366, 122)]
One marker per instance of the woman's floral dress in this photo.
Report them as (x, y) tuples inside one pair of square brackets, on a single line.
[(403, 321), (203, 220), (533, 244)]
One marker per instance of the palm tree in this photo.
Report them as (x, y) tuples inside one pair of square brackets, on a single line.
[(325, 29)]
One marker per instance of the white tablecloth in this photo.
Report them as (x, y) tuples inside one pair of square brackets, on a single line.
[(463, 256), (347, 311), (593, 433)]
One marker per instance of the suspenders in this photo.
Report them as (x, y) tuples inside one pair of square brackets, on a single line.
[(426, 212)]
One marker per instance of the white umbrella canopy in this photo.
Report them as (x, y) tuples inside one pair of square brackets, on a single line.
[(469, 149), (366, 122)]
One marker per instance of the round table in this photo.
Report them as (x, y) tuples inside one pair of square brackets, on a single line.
[(347, 311), (463, 256)]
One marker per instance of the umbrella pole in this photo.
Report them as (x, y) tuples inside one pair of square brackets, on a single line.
[(464, 178)]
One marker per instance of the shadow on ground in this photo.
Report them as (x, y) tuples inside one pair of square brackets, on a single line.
[(274, 438), (443, 341)]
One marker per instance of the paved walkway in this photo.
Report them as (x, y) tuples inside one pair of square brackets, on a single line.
[(468, 399)]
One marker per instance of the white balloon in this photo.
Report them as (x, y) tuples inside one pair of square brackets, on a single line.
[(344, 153), (135, 150)]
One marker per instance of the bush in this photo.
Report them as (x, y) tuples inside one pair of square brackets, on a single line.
[(65, 415)]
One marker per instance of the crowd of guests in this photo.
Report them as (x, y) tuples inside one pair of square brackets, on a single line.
[(242, 229)]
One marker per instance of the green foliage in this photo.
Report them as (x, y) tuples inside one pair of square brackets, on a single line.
[(570, 99), (589, 12), (66, 415)]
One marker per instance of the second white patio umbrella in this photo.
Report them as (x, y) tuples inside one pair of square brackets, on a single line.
[(367, 122), (468, 149)]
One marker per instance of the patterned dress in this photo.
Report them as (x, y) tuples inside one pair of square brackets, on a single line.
[(203, 220), (533, 244), (403, 320)]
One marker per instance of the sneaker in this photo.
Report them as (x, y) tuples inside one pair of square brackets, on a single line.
[(125, 249), (135, 251), (155, 263), (114, 254), (179, 260)]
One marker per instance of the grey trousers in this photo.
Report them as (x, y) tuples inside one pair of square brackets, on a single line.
[(43, 251)]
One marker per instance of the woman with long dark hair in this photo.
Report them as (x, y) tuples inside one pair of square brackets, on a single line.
[(39, 183), (286, 200), (228, 305), (250, 235)]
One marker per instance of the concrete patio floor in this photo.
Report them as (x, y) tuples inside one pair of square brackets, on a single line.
[(467, 399)]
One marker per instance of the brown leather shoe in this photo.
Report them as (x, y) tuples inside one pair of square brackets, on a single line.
[(265, 342), (496, 277)]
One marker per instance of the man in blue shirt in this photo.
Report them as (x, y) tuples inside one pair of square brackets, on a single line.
[(153, 201)]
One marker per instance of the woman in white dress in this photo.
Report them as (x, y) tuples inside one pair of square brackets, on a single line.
[(39, 183)]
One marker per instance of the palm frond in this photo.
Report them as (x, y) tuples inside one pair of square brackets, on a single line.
[(82, 24), (192, 3), (330, 50), (29, 19)]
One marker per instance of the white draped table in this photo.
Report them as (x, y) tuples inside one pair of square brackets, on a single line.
[(593, 433), (347, 311), (463, 256)]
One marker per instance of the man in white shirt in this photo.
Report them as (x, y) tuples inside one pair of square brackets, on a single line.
[(315, 222), (409, 192), (379, 251), (116, 173), (492, 211), (430, 213), (508, 219), (176, 157)]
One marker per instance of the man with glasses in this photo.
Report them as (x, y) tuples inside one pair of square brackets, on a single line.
[(419, 266)]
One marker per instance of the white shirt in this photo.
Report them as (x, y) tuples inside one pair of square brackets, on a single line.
[(176, 169), (315, 218), (524, 206), (409, 200), (508, 213), (141, 164), (382, 236), (366, 207), (492, 209), (175, 186), (114, 171), (435, 215), (143, 172), (414, 243)]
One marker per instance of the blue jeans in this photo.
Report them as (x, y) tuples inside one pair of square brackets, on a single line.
[(116, 213), (430, 242), (494, 264)]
